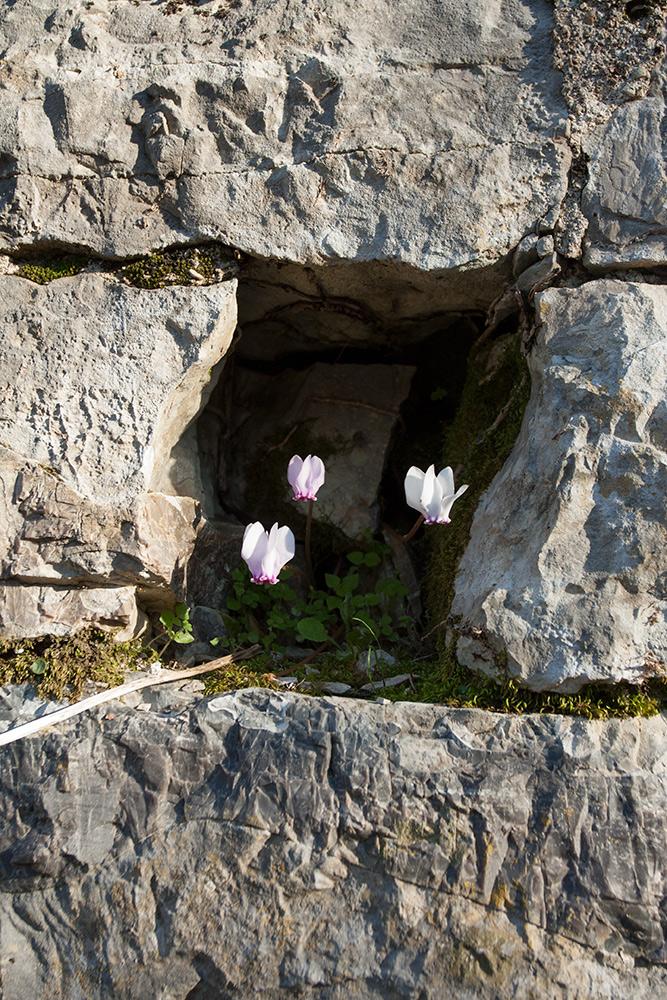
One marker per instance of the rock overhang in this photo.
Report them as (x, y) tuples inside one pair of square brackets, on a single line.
[(386, 145)]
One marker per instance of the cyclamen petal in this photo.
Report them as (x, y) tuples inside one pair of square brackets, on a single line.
[(266, 552), (432, 495), (305, 476)]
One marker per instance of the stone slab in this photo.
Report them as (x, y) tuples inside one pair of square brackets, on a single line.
[(566, 567), (261, 844), (432, 134)]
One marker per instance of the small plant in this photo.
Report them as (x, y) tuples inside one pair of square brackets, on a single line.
[(61, 665), (276, 617), (189, 266), (177, 625)]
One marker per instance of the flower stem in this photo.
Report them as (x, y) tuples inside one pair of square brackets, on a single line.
[(413, 529), (309, 562)]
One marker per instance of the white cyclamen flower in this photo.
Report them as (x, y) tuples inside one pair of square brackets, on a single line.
[(432, 495), (305, 476), (266, 552)]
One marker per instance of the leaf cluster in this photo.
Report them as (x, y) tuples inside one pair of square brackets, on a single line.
[(346, 612)]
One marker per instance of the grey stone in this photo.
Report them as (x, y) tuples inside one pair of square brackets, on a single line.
[(34, 611), (350, 410), (624, 199), (526, 253), (90, 425), (266, 844), (566, 568), (539, 275), (105, 405), (430, 134)]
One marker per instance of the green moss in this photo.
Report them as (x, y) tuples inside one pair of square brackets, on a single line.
[(447, 682), (49, 270), (192, 266), (476, 445), (255, 673), (60, 666)]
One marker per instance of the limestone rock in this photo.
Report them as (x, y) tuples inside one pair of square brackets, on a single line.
[(34, 611), (99, 380), (626, 195), (260, 844), (426, 133), (349, 410), (565, 571)]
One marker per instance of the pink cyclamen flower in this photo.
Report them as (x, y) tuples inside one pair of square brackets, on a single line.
[(432, 495), (266, 552), (305, 476)]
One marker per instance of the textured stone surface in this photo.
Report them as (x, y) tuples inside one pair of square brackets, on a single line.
[(32, 611), (99, 380), (51, 537), (347, 411), (626, 195), (567, 563), (260, 845), (427, 133)]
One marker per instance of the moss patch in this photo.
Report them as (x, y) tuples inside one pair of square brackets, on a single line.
[(447, 682), (191, 266), (60, 666), (255, 673), (45, 271), (476, 446)]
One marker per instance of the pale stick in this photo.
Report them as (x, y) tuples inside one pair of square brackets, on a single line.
[(163, 677)]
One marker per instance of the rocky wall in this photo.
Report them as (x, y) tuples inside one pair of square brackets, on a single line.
[(256, 844)]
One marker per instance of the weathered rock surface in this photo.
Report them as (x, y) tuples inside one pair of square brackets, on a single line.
[(625, 198), (256, 845), (99, 380), (431, 133), (567, 563), (347, 412)]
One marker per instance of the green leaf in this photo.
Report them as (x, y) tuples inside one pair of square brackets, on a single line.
[(332, 580), (372, 559), (350, 583), (183, 612), (358, 618), (233, 604), (312, 629), (333, 602), (38, 666), (169, 620), (183, 637), (356, 558), (214, 642)]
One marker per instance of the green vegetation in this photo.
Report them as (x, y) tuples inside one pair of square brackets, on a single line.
[(447, 682), (356, 608), (241, 675), (192, 266), (49, 270), (60, 666), (476, 445)]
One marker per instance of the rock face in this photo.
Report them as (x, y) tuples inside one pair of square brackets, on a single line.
[(348, 412), (567, 562), (294, 133), (257, 845), (624, 198), (99, 381)]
